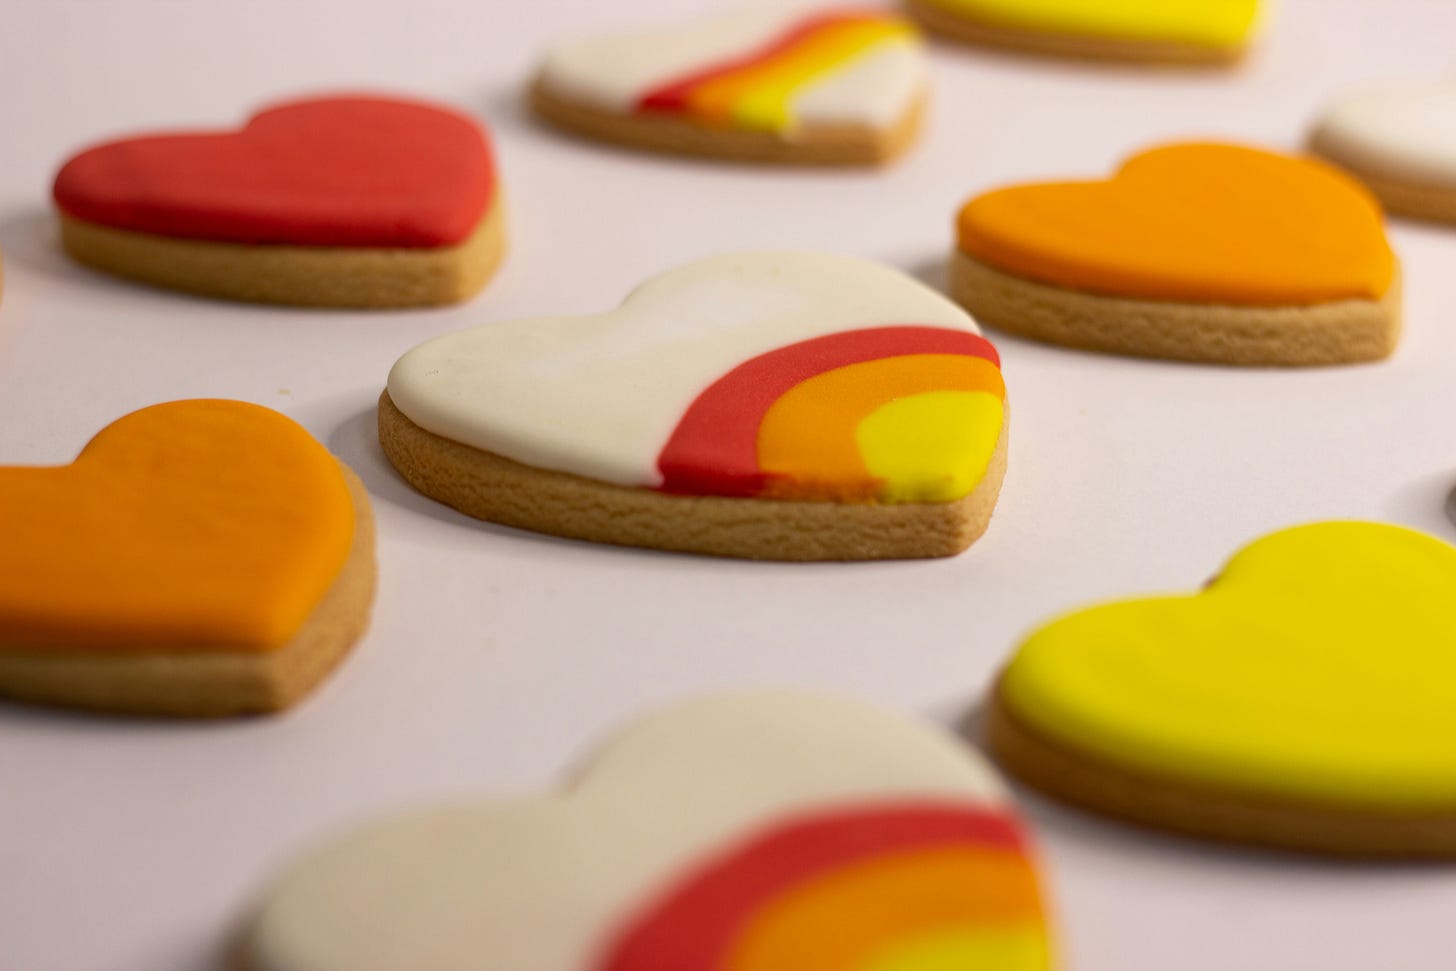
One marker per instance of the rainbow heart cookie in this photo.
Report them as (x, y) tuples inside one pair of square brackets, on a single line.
[(1195, 252), (1398, 140), (1305, 699), (764, 831), (768, 80), (1165, 31), (198, 558), (773, 405), (344, 202)]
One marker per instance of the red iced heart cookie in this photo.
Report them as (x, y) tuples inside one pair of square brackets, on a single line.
[(350, 171), (224, 213)]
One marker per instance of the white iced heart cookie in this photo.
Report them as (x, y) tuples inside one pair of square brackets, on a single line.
[(764, 831), (768, 80), (774, 405), (1400, 140)]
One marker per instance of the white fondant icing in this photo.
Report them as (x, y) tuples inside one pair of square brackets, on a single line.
[(613, 71), (873, 90), (1405, 132), (599, 396), (541, 885)]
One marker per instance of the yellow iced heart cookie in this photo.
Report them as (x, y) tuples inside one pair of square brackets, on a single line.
[(1305, 698), (1139, 30)]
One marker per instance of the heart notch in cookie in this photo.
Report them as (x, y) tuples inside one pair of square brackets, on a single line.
[(1306, 699), (199, 558), (349, 201), (1193, 252), (759, 831), (772, 405), (787, 81)]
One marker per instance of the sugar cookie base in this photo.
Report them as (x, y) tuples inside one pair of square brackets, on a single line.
[(490, 487), (1401, 197), (984, 33), (810, 145), (367, 277), (1091, 782), (208, 684), (1338, 332)]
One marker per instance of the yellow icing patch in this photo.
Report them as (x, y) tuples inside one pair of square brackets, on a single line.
[(1216, 23), (1320, 665), (827, 436), (968, 949), (761, 95), (931, 447)]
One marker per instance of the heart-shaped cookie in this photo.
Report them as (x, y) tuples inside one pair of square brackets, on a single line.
[(1306, 698), (765, 831), (198, 558), (766, 80), (1400, 140), (354, 201), (1176, 31), (775, 404), (1194, 252)]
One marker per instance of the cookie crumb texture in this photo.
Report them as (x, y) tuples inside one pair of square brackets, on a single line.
[(1275, 260), (773, 405), (199, 559), (349, 202), (1171, 32), (781, 82), (800, 825), (1303, 700)]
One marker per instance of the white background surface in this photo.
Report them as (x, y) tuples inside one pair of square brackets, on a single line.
[(496, 657)]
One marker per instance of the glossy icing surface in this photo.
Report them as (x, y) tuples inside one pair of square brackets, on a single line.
[(1319, 666), (192, 525), (1212, 23), (344, 171), (798, 824), (762, 65), (797, 375), (1192, 222), (1402, 132)]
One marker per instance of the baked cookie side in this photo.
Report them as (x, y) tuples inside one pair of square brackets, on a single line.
[(488, 486)]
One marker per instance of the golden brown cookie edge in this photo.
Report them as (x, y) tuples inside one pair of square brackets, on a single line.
[(487, 486)]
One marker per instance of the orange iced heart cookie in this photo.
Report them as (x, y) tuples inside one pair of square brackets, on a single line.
[(1195, 252), (198, 558)]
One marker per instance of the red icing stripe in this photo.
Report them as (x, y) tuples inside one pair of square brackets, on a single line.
[(347, 171), (673, 95), (695, 922), (714, 449)]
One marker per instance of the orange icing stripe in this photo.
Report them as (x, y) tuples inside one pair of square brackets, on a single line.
[(1195, 222), (807, 440), (842, 918), (756, 91), (193, 525)]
